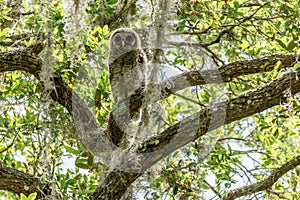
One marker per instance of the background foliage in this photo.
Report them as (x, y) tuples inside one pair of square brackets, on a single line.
[(37, 135)]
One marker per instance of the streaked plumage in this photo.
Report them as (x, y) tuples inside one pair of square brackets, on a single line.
[(127, 66)]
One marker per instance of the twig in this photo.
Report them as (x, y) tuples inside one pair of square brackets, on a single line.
[(191, 100), (264, 184), (213, 189), (11, 144)]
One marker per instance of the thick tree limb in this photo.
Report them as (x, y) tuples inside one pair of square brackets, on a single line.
[(235, 109), (230, 71), (18, 182), (28, 62), (224, 73), (200, 123), (114, 188), (19, 60), (181, 133), (264, 184)]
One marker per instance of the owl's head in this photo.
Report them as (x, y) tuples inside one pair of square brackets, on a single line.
[(124, 39)]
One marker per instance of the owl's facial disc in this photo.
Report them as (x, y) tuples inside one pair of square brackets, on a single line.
[(124, 40)]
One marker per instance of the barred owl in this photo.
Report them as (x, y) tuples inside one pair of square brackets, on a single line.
[(127, 66)]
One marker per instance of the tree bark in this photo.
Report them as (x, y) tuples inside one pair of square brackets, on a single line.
[(154, 149), (198, 124), (18, 182)]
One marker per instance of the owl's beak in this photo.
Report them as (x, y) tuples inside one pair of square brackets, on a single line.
[(123, 43)]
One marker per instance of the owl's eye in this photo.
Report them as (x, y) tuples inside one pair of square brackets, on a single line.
[(117, 39), (129, 39)]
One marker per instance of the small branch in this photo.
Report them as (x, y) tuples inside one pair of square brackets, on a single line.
[(27, 13), (213, 189), (232, 138), (11, 144), (191, 100), (264, 184), (221, 34), (17, 39), (117, 14), (226, 31), (20, 36), (7, 43), (250, 4), (191, 32)]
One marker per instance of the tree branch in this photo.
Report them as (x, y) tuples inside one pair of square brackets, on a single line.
[(18, 182), (197, 125), (226, 31), (182, 133), (224, 73), (229, 71), (110, 20), (264, 184), (114, 185), (250, 4), (242, 106), (19, 60)]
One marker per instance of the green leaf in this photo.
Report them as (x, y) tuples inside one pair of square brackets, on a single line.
[(6, 10), (32, 196), (112, 1), (2, 147), (88, 191), (8, 18), (3, 33), (276, 133), (291, 46), (205, 186), (82, 165), (23, 197), (72, 150), (192, 164), (227, 185), (175, 190), (281, 43), (181, 26), (297, 65), (206, 96), (55, 31), (29, 43), (71, 182), (105, 29), (80, 160)]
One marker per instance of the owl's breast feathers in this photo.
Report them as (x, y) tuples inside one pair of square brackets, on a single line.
[(126, 73), (126, 64)]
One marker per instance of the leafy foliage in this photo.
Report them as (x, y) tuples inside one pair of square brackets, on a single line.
[(37, 135)]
